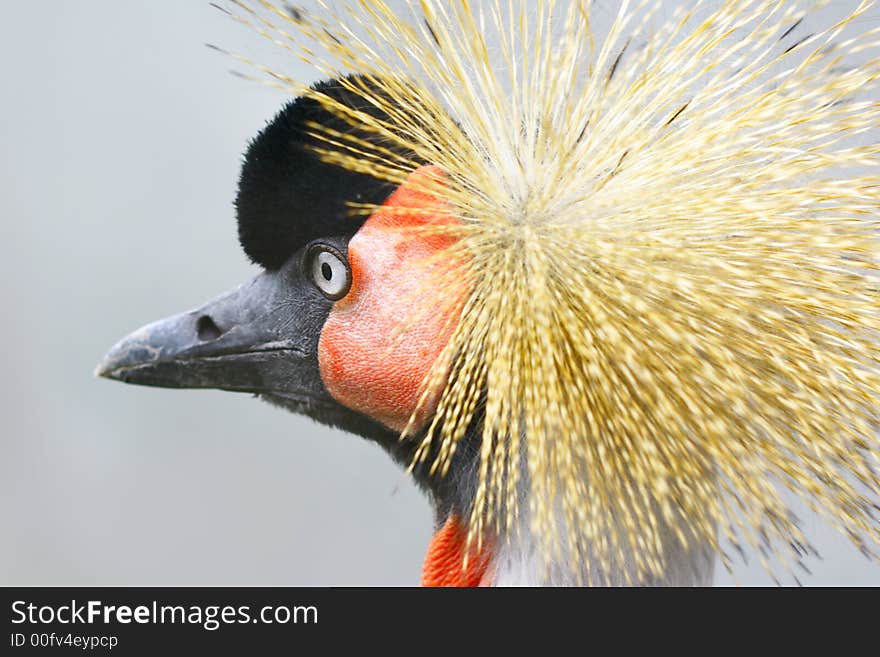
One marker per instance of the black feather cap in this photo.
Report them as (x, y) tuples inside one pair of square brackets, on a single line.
[(287, 196)]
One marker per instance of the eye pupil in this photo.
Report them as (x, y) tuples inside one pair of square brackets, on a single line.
[(326, 271)]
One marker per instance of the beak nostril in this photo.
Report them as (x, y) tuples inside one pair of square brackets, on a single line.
[(207, 329)]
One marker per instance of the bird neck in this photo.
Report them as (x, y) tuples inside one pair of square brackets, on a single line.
[(517, 560)]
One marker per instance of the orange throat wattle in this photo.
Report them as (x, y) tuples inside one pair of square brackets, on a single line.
[(445, 564)]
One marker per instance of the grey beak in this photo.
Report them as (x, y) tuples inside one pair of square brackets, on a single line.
[(231, 343)]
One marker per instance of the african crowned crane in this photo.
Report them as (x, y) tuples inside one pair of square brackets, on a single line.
[(604, 311)]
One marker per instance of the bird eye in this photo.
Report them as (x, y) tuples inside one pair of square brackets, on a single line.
[(329, 271)]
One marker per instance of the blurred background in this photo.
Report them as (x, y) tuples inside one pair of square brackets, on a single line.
[(122, 139)]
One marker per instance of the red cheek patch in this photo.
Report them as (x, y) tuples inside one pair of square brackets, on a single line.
[(380, 341)]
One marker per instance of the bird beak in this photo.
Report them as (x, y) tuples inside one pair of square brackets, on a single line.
[(231, 343)]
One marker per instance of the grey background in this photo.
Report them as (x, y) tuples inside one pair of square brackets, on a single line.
[(122, 136)]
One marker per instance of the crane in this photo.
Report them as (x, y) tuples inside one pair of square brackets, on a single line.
[(605, 302)]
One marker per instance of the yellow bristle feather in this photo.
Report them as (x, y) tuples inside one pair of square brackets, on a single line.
[(670, 241)]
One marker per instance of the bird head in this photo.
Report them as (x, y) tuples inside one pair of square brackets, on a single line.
[(320, 330)]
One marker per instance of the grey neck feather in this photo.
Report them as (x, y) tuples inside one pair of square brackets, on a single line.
[(518, 562)]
